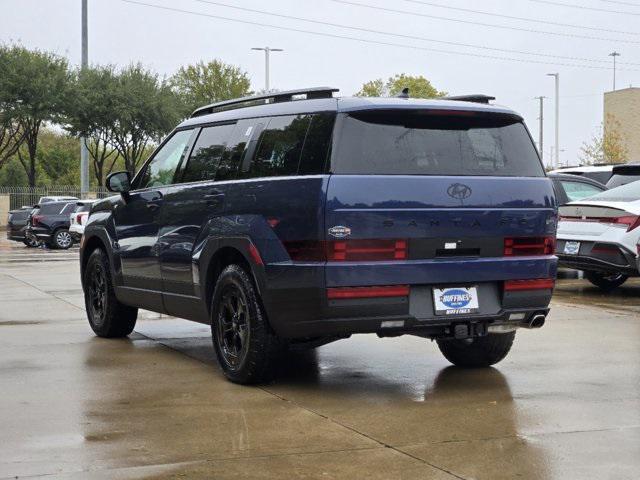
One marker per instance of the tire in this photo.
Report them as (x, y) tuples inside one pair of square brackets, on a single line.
[(61, 239), (606, 282), (246, 347), (107, 317), (31, 242), (480, 352)]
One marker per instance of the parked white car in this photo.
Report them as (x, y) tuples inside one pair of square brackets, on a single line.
[(78, 219), (600, 236)]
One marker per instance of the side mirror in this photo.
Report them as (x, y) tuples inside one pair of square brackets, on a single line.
[(119, 182)]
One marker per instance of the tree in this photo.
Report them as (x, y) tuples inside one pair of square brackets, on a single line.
[(147, 109), (11, 135), (419, 87), (92, 115), (607, 146), (205, 83), (36, 85)]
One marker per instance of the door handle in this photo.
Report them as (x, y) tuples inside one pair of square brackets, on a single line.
[(153, 205)]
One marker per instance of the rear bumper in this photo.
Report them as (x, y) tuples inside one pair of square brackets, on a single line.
[(297, 305), (594, 256)]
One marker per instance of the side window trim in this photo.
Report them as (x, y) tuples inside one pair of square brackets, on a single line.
[(250, 150), (182, 165)]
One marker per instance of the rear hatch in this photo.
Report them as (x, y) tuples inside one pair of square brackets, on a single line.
[(436, 197)]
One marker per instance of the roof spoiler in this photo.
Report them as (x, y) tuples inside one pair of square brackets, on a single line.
[(476, 98)]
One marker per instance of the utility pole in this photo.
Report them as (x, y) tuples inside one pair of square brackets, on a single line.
[(84, 154), (557, 146), (267, 51), (614, 54), (541, 137)]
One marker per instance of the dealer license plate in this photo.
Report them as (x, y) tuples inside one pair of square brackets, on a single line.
[(571, 248), (455, 300)]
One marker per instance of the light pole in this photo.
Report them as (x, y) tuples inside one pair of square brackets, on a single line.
[(84, 154), (557, 146), (541, 137), (614, 54), (267, 51)]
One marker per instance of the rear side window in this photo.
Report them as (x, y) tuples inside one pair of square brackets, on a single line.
[(280, 146), (434, 143), (579, 190), (207, 153), (51, 208)]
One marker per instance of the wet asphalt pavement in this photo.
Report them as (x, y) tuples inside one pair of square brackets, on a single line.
[(565, 404)]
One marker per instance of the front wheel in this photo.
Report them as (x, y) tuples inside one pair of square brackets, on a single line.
[(107, 316), (606, 281), (246, 348), (477, 352)]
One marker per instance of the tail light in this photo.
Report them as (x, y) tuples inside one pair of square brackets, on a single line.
[(536, 284), (525, 246), (81, 216), (349, 250), (366, 250), (368, 292), (629, 222), (35, 219)]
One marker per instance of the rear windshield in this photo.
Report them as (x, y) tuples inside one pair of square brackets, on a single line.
[(626, 193), (618, 180), (85, 207), (434, 143)]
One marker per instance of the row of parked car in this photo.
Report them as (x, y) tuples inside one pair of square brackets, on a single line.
[(598, 225), (56, 222)]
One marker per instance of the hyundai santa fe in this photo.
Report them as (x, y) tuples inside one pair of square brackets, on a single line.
[(298, 218)]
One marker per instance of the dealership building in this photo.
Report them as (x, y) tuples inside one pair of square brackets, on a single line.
[(623, 106)]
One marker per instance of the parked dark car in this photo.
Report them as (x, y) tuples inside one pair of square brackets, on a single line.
[(49, 223), (280, 220), (570, 188), (17, 224), (623, 174)]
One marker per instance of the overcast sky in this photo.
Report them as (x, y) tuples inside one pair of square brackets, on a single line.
[(122, 32)]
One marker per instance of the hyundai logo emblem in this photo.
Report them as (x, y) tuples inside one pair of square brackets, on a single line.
[(459, 191)]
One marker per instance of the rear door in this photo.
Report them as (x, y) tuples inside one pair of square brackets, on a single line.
[(136, 219), (449, 186)]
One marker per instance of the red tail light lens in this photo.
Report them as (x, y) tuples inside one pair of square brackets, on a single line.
[(525, 246), (35, 220), (366, 250), (536, 284), (368, 292), (348, 250)]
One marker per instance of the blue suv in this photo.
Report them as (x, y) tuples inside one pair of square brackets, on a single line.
[(298, 218)]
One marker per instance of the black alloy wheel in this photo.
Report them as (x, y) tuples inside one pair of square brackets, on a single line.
[(233, 327)]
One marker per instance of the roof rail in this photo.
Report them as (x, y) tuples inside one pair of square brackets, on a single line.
[(476, 98), (266, 98)]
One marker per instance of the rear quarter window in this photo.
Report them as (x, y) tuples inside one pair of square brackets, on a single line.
[(434, 143)]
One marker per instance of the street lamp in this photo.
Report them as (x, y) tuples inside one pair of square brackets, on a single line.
[(557, 149), (267, 51), (614, 54)]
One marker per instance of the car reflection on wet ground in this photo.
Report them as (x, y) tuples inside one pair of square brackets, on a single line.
[(564, 404)]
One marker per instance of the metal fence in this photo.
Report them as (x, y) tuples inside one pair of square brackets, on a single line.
[(23, 196)]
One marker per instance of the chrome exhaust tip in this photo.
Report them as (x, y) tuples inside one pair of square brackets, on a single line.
[(537, 321)]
